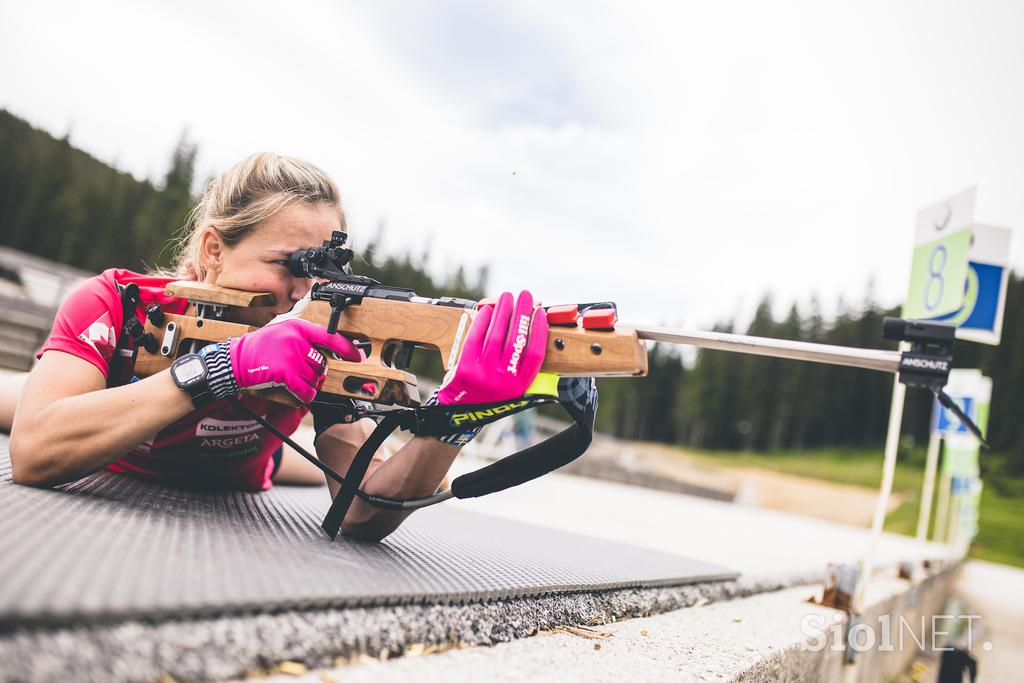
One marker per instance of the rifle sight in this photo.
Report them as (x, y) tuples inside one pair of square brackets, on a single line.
[(328, 261)]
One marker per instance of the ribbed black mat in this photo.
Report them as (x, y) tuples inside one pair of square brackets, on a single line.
[(111, 547)]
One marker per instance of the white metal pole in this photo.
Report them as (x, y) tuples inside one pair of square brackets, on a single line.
[(928, 487), (869, 359), (953, 531), (892, 443), (942, 510)]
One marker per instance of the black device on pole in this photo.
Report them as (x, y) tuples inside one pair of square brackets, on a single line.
[(929, 360)]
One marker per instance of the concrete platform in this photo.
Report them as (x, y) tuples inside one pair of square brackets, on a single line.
[(759, 638)]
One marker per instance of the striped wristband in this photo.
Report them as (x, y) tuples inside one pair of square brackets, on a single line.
[(219, 376), (460, 439)]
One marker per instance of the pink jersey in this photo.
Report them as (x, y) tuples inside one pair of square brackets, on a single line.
[(217, 446)]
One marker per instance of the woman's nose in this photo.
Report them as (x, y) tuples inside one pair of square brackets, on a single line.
[(300, 287)]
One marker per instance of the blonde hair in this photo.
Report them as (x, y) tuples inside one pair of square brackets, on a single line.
[(247, 194)]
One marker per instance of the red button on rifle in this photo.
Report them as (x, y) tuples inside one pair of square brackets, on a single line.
[(565, 315), (602, 319)]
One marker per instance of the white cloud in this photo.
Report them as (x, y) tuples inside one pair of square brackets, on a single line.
[(681, 159)]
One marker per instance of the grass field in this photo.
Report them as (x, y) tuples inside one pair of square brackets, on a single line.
[(1001, 534)]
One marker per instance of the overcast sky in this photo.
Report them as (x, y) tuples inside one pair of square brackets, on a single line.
[(681, 159)]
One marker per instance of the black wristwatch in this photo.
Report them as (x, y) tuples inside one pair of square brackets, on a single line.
[(192, 376)]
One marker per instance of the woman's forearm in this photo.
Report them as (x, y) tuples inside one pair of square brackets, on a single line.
[(76, 435), (10, 391), (414, 471)]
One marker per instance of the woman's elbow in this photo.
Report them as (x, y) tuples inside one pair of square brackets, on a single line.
[(20, 476), (37, 462), (26, 466)]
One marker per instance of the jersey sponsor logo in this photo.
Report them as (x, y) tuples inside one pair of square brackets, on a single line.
[(229, 442), (233, 448), (228, 439), (219, 428), (100, 335)]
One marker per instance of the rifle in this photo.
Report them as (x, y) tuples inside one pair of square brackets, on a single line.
[(389, 323)]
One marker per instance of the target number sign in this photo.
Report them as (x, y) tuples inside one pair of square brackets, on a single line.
[(942, 242)]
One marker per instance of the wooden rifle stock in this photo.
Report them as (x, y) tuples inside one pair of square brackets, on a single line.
[(390, 327)]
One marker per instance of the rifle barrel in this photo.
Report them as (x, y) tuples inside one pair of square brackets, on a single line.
[(870, 359)]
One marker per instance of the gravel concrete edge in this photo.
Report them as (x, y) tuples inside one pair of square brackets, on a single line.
[(224, 647)]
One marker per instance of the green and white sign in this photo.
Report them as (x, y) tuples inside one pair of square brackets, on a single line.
[(942, 244)]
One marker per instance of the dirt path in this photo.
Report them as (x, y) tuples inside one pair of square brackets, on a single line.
[(844, 503)]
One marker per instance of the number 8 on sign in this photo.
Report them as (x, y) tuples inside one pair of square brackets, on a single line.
[(933, 292), (937, 276)]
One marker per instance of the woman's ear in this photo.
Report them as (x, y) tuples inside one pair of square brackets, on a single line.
[(211, 251)]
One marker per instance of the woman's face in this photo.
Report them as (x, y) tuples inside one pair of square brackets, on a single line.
[(258, 263)]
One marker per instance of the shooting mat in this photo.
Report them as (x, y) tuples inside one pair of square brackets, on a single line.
[(111, 547)]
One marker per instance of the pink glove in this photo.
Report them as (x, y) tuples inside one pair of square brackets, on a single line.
[(502, 354), (282, 355)]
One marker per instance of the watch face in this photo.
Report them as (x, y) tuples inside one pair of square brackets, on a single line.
[(192, 369)]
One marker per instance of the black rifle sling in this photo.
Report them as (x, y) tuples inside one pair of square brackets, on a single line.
[(440, 420), (357, 470), (525, 465), (578, 397)]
